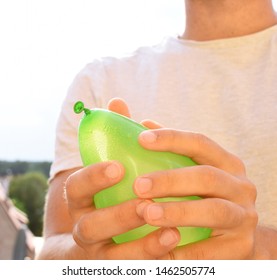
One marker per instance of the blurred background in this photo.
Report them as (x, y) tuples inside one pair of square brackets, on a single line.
[(44, 44)]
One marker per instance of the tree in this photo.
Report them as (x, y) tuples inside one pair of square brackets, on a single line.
[(28, 193)]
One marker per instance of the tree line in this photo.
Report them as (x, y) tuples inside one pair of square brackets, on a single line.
[(21, 167)]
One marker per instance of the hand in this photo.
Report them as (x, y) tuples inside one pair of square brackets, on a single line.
[(93, 229), (228, 206)]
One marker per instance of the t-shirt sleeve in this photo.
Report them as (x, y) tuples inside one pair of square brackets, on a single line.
[(83, 88)]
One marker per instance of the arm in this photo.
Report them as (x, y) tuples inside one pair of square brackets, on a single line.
[(58, 241)]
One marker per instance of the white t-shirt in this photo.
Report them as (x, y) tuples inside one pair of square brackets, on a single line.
[(225, 89)]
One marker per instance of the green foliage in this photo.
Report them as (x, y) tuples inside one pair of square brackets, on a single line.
[(19, 204), (22, 167), (28, 193)]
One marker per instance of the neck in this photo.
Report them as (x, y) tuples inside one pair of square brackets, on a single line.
[(218, 19)]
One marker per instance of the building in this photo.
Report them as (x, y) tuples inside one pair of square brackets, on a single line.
[(16, 240)]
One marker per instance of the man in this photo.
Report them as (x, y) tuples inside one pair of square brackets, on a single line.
[(218, 79)]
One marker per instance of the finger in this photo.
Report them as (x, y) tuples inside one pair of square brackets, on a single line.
[(200, 180), (157, 244), (105, 223), (83, 184), (211, 213), (217, 248), (196, 146), (119, 106), (151, 124)]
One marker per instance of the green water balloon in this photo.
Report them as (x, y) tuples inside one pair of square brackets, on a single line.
[(104, 135)]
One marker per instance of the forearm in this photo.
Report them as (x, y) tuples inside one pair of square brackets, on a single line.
[(266, 243), (61, 247)]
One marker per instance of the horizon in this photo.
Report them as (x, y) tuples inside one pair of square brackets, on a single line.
[(46, 43)]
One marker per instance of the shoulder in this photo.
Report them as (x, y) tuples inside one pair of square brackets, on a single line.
[(139, 56)]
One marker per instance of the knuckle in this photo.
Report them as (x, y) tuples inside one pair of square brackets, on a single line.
[(83, 230), (120, 217), (174, 215), (76, 237), (86, 230), (151, 248), (79, 239), (163, 182), (167, 181), (252, 218), (238, 164), (95, 174), (69, 187), (171, 135), (147, 251), (247, 236), (73, 194), (221, 211), (210, 175), (250, 190), (166, 137), (201, 141)]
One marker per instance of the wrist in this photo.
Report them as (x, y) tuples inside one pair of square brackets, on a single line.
[(265, 243)]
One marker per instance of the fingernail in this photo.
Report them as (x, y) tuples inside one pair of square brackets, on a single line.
[(143, 185), (148, 137), (155, 212), (113, 171), (168, 237)]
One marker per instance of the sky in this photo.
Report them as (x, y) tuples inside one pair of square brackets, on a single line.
[(44, 44)]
